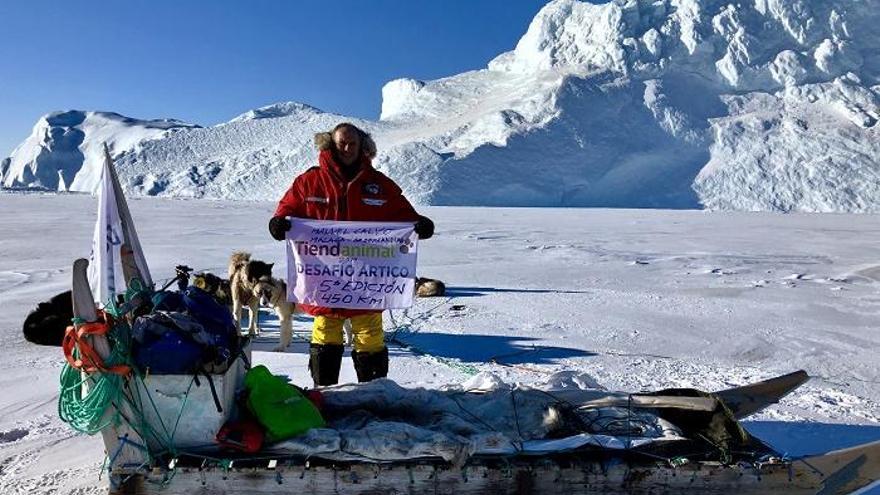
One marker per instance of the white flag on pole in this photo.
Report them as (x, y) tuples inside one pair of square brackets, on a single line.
[(116, 252)]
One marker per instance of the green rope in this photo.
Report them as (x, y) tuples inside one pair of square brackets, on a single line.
[(180, 413), (85, 414), (136, 403), (136, 289)]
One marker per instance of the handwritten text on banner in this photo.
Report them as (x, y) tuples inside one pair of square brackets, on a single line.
[(352, 265)]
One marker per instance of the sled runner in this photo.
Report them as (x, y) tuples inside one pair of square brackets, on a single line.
[(832, 473)]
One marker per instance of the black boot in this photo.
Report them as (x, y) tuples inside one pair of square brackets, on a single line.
[(370, 365), (324, 363)]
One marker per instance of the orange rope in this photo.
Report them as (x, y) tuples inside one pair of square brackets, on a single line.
[(89, 360)]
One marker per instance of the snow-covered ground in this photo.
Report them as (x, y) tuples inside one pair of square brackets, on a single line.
[(636, 299)]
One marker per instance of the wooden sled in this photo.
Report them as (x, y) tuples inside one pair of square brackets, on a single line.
[(583, 471), (837, 472)]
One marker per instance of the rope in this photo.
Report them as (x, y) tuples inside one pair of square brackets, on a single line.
[(136, 292), (516, 419), (85, 414), (497, 360), (107, 384), (407, 328), (455, 364), (146, 428), (180, 413), (104, 378), (76, 344)]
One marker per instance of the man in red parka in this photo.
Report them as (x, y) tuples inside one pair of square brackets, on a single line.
[(345, 186)]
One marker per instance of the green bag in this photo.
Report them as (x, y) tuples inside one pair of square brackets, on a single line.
[(279, 406)]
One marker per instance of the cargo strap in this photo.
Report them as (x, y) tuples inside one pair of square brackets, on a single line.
[(213, 389)]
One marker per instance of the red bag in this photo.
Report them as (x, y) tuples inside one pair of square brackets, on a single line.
[(316, 398), (242, 436)]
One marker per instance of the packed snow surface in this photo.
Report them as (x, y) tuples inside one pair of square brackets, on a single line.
[(768, 105), (628, 300)]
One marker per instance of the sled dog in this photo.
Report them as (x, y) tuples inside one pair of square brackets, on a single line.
[(429, 287), (244, 273), (214, 285), (272, 293), (46, 324)]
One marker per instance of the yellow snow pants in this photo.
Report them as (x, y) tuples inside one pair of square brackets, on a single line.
[(366, 331)]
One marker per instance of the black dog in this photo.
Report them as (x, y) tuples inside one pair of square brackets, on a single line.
[(46, 324), (214, 285)]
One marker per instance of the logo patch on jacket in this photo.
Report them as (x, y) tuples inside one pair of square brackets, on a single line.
[(372, 188), (317, 199), (374, 202)]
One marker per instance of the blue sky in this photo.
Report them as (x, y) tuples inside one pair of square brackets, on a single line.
[(208, 61)]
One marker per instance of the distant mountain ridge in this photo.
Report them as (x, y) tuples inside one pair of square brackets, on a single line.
[(771, 106)]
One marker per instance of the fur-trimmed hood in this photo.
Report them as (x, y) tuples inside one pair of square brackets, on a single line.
[(324, 141)]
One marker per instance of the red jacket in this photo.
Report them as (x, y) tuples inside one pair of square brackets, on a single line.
[(321, 193)]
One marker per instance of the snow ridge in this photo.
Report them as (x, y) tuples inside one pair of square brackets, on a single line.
[(765, 105), (65, 149)]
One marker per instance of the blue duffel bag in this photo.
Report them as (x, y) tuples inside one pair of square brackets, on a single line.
[(208, 311), (170, 353), (217, 320)]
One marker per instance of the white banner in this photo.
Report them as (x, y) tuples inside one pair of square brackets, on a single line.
[(116, 254), (351, 265)]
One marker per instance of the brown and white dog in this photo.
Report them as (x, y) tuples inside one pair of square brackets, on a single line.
[(272, 293), (429, 287), (252, 285), (244, 274)]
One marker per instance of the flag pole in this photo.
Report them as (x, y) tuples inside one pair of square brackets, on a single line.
[(134, 264)]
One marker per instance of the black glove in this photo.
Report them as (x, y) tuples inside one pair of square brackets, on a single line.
[(424, 227), (278, 227)]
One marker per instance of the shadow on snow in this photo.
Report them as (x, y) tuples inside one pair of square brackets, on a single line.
[(472, 348), (482, 291), (806, 438), (468, 348)]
